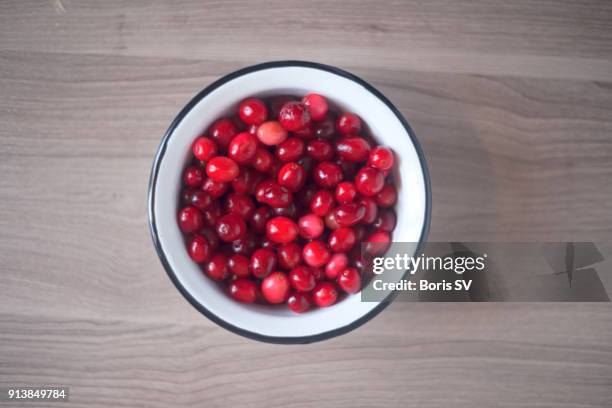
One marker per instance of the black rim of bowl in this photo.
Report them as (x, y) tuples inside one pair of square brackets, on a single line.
[(153, 181)]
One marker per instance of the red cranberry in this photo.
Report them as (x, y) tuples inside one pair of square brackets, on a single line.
[(294, 116), (273, 194), (222, 131), (259, 219), (277, 103), (193, 176), (315, 253), (330, 222), (245, 245), (378, 242), (310, 226), (322, 203), (292, 176), (326, 128), (271, 133), (316, 106), (238, 264), (243, 290), (212, 214), (217, 268), (298, 302), (222, 169), (246, 181), (306, 133), (387, 196), (199, 249), (337, 263), (190, 220), (200, 199), (350, 280), (342, 239), (345, 192), (327, 174), (290, 150), (204, 148), (240, 204), (242, 148), (353, 149), (381, 158), (289, 255), (349, 214), (215, 188), (348, 124), (369, 181), (302, 279), (371, 210), (281, 230), (231, 227), (320, 150), (275, 287), (253, 111), (211, 236), (263, 262), (325, 294), (263, 159), (385, 220)]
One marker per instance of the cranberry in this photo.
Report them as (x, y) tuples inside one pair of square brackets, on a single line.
[(298, 302), (371, 210), (337, 263), (302, 279), (348, 123), (292, 176), (253, 111), (259, 219), (215, 188), (281, 230), (240, 204), (325, 294), (238, 264), (327, 174), (349, 280), (315, 253), (231, 227), (322, 203), (326, 128), (320, 150), (263, 262), (200, 199), (381, 158), (307, 132), (330, 222), (212, 214), (243, 290), (211, 236), (246, 181), (222, 131), (275, 287), (353, 149), (271, 133), (294, 116), (273, 194), (242, 148), (369, 181), (385, 220), (262, 160), (245, 245), (377, 242), (190, 219), (187, 195), (310, 226), (217, 268), (222, 169), (387, 196), (345, 192), (204, 148), (349, 214), (290, 150), (199, 249), (193, 176), (316, 106), (277, 103), (289, 255), (342, 239)]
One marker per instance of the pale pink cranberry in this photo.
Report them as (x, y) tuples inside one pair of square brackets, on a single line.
[(310, 226), (316, 106), (271, 133)]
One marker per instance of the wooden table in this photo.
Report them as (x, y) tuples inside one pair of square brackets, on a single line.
[(511, 100)]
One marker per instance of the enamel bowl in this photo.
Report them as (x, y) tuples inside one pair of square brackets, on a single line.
[(346, 91)]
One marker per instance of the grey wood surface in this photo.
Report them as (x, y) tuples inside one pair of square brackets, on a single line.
[(512, 102)]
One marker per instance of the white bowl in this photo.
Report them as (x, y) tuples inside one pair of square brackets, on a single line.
[(388, 127)]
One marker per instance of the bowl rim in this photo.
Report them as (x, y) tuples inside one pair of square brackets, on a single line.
[(155, 172)]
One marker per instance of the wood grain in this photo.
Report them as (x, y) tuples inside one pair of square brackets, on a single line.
[(512, 102)]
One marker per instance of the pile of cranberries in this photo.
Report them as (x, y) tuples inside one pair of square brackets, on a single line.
[(278, 199)]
